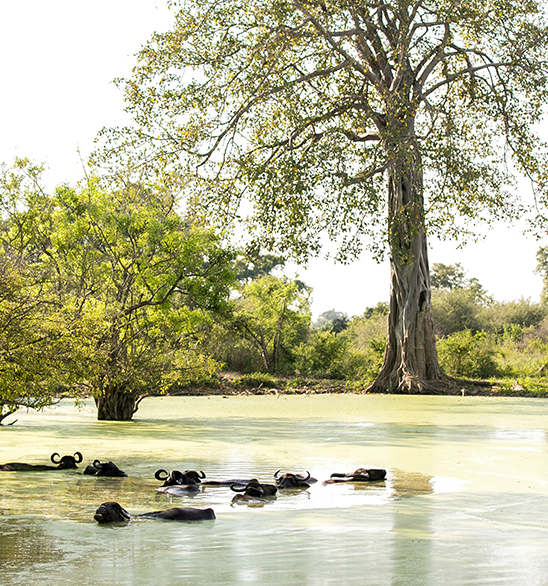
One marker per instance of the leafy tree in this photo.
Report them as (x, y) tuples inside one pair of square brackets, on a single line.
[(542, 269), (387, 120), (323, 355), (132, 284), (455, 310), (447, 276), (39, 349), (273, 316), (150, 276), (328, 318), (505, 317)]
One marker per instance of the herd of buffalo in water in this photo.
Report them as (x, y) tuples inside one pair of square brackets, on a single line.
[(249, 491)]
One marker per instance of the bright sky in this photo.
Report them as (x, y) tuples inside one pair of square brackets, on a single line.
[(59, 60)]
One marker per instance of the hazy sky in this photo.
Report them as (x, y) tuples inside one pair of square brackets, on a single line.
[(59, 58)]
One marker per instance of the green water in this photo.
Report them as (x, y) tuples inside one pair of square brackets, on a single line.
[(465, 501)]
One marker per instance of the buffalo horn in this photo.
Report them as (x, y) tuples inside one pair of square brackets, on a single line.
[(202, 474), (233, 487), (53, 458), (78, 457), (158, 474), (276, 474), (307, 478), (96, 464)]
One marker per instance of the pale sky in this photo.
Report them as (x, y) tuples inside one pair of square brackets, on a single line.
[(59, 60)]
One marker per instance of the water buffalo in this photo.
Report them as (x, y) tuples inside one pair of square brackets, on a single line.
[(253, 491), (178, 482), (290, 480), (112, 512), (64, 463), (359, 475), (105, 469)]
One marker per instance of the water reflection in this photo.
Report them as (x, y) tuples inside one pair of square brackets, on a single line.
[(464, 501)]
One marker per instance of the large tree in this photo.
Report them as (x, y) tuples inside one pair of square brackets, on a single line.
[(374, 122)]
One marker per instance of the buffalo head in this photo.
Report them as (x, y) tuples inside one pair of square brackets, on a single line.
[(255, 489), (359, 475), (111, 512), (105, 469), (66, 462), (290, 480)]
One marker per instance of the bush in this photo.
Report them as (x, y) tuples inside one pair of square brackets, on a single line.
[(322, 356), (467, 355)]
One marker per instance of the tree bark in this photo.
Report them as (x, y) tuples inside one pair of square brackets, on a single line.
[(410, 362), (116, 404)]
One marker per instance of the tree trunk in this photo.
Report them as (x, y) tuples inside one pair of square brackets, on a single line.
[(115, 404), (410, 361)]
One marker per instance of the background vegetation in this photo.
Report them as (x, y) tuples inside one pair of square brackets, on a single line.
[(107, 291)]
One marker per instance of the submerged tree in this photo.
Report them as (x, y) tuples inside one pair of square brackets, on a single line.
[(148, 278), (387, 120)]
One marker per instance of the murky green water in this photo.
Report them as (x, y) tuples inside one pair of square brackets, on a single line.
[(465, 501)]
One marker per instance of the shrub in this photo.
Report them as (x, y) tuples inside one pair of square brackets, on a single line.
[(322, 355), (468, 355)]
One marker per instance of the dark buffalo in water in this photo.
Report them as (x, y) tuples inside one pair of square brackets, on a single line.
[(177, 477), (253, 491), (64, 463), (178, 482), (104, 469), (112, 512), (359, 475), (290, 480)]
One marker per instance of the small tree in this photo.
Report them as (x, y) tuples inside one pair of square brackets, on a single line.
[(150, 276), (135, 281), (273, 316)]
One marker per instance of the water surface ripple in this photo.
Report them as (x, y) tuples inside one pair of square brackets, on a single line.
[(465, 500)]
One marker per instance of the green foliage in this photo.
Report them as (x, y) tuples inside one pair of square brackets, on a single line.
[(447, 276), (467, 355), (455, 310), (253, 266), (268, 321), (153, 276), (542, 269), (139, 280), (302, 108), (323, 355), (327, 318), (503, 317)]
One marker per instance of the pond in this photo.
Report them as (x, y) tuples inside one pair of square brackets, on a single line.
[(465, 500)]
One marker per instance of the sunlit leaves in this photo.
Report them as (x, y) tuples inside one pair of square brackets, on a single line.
[(301, 108)]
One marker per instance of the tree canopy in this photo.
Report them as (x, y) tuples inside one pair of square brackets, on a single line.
[(387, 120), (104, 288)]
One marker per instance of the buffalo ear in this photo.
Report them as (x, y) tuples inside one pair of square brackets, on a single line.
[(53, 458)]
